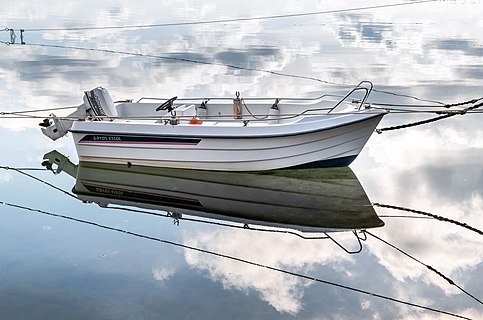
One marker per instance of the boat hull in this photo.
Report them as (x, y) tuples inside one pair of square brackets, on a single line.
[(309, 144)]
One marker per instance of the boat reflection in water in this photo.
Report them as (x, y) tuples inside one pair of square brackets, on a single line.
[(304, 200)]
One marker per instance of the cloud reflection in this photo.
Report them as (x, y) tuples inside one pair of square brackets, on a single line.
[(468, 47), (283, 292), (5, 177), (162, 274), (356, 28), (436, 168), (440, 174)]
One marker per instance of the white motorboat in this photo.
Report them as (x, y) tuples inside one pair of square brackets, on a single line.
[(236, 134)]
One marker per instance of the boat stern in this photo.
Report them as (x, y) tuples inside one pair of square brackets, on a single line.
[(97, 104)]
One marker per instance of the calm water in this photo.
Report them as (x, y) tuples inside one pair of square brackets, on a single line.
[(54, 268)]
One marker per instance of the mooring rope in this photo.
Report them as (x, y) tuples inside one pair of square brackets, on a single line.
[(27, 114), (271, 17), (446, 114), (21, 171), (35, 110), (177, 219), (232, 66), (241, 260), (434, 216), (450, 281), (376, 204)]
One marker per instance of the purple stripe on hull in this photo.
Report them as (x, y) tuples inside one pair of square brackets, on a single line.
[(125, 139)]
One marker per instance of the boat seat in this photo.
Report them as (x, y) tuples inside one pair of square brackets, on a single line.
[(186, 112), (129, 109)]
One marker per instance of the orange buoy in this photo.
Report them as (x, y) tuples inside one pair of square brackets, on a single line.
[(195, 120)]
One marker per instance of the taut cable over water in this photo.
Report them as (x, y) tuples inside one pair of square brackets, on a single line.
[(375, 204), (22, 171), (178, 217), (431, 268), (214, 52), (233, 258), (186, 60), (216, 21)]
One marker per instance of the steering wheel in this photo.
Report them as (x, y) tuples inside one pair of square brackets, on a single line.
[(167, 105)]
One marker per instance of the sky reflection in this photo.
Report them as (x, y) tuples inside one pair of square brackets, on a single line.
[(60, 269)]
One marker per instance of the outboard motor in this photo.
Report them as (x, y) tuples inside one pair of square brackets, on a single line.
[(100, 103), (56, 128), (97, 104)]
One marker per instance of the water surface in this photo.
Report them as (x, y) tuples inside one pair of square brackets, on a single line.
[(56, 268)]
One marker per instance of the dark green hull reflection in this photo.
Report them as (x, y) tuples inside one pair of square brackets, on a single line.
[(309, 200)]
